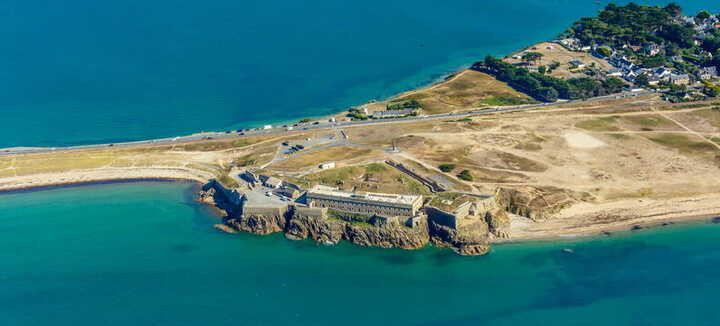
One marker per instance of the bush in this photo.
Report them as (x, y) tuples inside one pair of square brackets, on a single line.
[(412, 104), (447, 167), (465, 175)]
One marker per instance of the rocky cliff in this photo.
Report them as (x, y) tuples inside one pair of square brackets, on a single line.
[(536, 203), (310, 223)]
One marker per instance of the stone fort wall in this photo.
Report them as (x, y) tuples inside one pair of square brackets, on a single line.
[(358, 206)]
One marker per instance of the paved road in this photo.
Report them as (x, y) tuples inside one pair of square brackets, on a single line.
[(311, 126)]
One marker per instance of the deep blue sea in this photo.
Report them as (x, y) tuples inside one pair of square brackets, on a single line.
[(146, 254), (88, 71)]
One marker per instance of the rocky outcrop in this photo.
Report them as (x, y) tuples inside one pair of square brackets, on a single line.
[(470, 239), (498, 223), (258, 224), (317, 228), (536, 203), (331, 231), (299, 222)]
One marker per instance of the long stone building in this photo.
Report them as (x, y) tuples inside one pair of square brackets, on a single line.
[(386, 205)]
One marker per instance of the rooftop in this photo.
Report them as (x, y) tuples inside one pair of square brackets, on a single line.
[(388, 198)]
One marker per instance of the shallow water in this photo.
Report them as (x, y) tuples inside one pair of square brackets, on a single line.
[(84, 71), (146, 254)]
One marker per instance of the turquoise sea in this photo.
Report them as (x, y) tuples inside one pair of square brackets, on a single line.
[(83, 71), (146, 254), (87, 71)]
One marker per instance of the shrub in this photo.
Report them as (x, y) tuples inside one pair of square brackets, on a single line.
[(465, 175), (447, 167)]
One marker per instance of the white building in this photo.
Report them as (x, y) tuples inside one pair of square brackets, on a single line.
[(329, 165)]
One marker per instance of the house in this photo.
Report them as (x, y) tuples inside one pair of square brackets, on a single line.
[(614, 72), (662, 73), (393, 113), (654, 80), (533, 69), (329, 165), (577, 63), (680, 79), (707, 73), (652, 49)]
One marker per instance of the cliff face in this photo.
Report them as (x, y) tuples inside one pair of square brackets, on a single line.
[(471, 239), (332, 231), (536, 203), (498, 223), (258, 224), (304, 223)]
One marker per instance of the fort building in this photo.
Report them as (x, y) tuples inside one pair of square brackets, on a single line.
[(385, 205), (461, 209)]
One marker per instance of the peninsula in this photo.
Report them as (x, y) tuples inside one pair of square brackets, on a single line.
[(615, 125)]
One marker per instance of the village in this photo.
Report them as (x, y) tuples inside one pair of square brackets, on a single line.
[(682, 69)]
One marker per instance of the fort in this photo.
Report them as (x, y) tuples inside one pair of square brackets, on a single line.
[(385, 205)]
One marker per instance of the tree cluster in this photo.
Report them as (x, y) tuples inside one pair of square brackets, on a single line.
[(412, 104), (547, 88)]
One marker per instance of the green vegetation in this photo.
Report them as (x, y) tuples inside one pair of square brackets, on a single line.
[(447, 167), (227, 181), (683, 144), (600, 124), (604, 51), (306, 120), (504, 100), (547, 88), (620, 25), (465, 175), (357, 115), (352, 218), (532, 56), (412, 104), (649, 27), (715, 139)]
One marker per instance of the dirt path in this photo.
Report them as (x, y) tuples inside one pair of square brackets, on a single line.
[(662, 114)]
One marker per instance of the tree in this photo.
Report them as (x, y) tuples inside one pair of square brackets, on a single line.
[(642, 80), (613, 84), (542, 69), (681, 35), (711, 44), (673, 9), (465, 175), (604, 51), (702, 15), (447, 167), (654, 61), (532, 56)]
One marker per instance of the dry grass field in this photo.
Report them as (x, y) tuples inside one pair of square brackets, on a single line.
[(463, 91), (556, 53)]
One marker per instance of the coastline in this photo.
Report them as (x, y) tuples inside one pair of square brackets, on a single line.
[(101, 176), (31, 189), (555, 229), (610, 230)]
